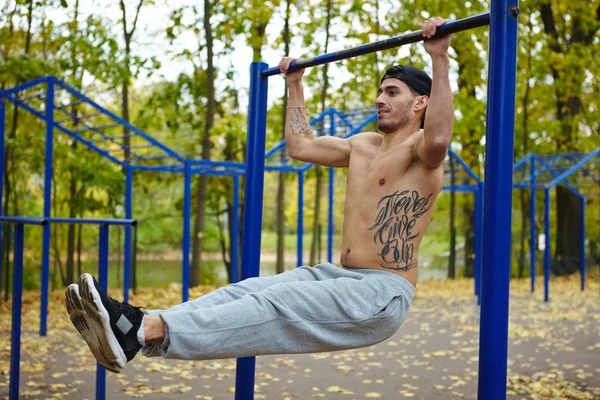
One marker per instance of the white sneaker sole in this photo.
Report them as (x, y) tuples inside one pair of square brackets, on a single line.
[(100, 320), (84, 326)]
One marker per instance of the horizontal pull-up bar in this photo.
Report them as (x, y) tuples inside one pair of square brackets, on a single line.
[(396, 41)]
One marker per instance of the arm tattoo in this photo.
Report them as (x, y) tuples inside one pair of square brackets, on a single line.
[(397, 216), (299, 124)]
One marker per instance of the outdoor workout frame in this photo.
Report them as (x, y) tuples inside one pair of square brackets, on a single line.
[(546, 172), (100, 130), (493, 348)]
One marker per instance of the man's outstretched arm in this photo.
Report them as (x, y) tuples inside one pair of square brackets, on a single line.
[(432, 147), (329, 151)]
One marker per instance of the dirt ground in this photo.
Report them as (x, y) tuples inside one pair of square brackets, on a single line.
[(554, 353)]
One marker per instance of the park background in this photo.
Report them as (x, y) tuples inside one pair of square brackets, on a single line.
[(179, 71)]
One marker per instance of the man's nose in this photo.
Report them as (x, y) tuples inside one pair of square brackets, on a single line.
[(379, 101)]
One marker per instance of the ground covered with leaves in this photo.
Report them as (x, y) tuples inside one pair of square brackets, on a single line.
[(554, 353)]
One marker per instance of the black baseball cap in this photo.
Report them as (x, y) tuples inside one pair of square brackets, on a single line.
[(414, 77)]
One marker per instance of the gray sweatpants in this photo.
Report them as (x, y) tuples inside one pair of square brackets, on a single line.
[(306, 310)]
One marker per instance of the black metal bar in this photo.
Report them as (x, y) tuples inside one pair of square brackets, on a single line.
[(396, 41)]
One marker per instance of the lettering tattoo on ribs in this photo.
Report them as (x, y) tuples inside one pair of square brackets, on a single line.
[(397, 216), (299, 124)]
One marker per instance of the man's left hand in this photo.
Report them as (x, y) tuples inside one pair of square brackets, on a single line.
[(439, 46)]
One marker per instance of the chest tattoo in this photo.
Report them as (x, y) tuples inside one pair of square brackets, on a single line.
[(396, 218)]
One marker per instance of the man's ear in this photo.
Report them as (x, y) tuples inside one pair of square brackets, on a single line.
[(421, 103)]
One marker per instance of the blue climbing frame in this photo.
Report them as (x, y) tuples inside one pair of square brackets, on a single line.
[(17, 284), (67, 110), (578, 173), (498, 200)]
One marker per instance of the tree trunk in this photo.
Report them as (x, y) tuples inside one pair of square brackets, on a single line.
[(279, 268), (568, 235), (208, 124)]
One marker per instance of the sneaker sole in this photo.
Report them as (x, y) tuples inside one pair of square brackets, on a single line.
[(81, 322), (100, 320)]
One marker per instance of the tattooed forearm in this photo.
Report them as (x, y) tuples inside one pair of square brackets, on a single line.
[(397, 216), (299, 124)]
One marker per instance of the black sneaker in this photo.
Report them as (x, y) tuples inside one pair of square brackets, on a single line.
[(85, 327), (116, 323)]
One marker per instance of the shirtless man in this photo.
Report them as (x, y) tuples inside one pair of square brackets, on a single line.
[(393, 180)]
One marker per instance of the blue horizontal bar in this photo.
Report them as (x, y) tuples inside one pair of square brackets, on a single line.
[(24, 220), (217, 172), (282, 169), (94, 221), (460, 188), (213, 163), (412, 37), (23, 86)]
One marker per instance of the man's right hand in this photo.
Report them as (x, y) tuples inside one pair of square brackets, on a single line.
[(292, 77)]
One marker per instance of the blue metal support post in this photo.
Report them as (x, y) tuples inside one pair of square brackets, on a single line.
[(103, 281), (330, 221), (17, 298), (128, 214), (582, 243), (235, 230), (493, 337), (253, 198), (187, 211), (331, 194), (47, 204), (532, 246), (300, 225), (547, 248)]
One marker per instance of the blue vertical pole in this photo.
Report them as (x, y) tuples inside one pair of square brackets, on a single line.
[(582, 243), (47, 204), (330, 222), (128, 214), (532, 246), (547, 249), (235, 229), (497, 206), (253, 198), (17, 297), (300, 229), (103, 281), (2, 144), (187, 213), (331, 194), (478, 239)]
